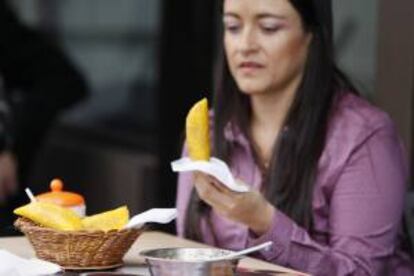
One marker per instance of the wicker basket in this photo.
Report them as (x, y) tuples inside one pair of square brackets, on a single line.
[(78, 249)]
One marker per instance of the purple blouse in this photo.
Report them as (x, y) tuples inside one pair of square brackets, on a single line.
[(357, 202)]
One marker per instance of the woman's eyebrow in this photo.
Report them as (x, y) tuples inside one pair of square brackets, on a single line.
[(270, 15), (258, 16), (230, 14)]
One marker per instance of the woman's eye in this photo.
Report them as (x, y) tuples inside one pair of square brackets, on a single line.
[(232, 28), (270, 29)]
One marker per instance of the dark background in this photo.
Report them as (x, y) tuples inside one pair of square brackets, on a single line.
[(146, 63)]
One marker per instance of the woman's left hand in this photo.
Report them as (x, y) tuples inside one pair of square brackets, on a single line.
[(249, 208)]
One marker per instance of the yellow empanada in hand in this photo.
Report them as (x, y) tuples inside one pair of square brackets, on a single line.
[(197, 131)]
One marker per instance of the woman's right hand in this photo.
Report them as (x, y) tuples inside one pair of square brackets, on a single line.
[(249, 208)]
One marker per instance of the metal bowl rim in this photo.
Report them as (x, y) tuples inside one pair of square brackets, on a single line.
[(142, 253)]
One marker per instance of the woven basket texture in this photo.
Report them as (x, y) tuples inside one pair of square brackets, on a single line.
[(78, 248)]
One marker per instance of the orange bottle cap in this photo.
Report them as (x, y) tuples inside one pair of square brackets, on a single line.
[(60, 197)]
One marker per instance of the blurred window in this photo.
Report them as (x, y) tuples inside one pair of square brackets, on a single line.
[(115, 45)]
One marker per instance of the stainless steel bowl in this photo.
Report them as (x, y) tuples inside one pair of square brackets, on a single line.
[(189, 261)]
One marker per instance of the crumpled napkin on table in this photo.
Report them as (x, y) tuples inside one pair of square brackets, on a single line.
[(157, 215), (12, 265), (214, 167)]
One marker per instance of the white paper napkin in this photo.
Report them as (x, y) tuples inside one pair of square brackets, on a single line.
[(12, 265), (158, 215), (214, 167)]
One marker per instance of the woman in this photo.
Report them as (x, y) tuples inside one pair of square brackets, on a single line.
[(326, 168)]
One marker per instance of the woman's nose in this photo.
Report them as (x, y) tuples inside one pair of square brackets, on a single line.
[(248, 41)]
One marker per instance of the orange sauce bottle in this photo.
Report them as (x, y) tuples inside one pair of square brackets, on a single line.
[(74, 201)]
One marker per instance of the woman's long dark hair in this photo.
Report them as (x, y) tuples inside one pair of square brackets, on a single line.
[(291, 175)]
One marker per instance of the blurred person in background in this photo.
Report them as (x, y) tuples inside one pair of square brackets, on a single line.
[(326, 169), (37, 82), (8, 173)]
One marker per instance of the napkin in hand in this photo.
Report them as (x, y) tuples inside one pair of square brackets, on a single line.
[(214, 167), (13, 265)]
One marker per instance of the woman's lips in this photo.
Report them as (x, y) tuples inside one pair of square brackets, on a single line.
[(250, 67)]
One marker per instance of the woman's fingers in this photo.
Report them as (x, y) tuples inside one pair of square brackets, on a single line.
[(211, 195), (223, 200), (220, 186), (249, 208)]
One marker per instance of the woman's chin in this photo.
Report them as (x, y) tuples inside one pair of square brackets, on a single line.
[(252, 91), (252, 86)]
